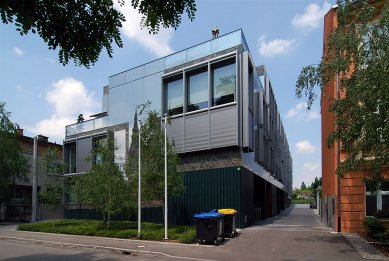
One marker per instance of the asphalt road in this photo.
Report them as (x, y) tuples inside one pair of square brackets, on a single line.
[(20, 251)]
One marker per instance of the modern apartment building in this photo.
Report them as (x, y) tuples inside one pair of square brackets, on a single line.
[(18, 204), (345, 201), (224, 122)]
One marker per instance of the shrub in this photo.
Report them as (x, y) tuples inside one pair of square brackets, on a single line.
[(373, 227), (189, 237)]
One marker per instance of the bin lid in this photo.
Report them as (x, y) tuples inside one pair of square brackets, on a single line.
[(227, 211), (211, 214)]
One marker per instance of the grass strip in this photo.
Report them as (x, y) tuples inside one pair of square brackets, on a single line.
[(117, 229)]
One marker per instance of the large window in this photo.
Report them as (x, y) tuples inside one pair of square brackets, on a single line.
[(70, 157), (174, 98), (197, 89), (223, 82)]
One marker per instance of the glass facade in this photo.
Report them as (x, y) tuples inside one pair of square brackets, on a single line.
[(197, 89), (223, 82), (121, 102)]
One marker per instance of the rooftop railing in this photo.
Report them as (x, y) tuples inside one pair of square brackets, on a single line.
[(86, 126)]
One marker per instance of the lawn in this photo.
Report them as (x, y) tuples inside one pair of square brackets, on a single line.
[(117, 229), (302, 200)]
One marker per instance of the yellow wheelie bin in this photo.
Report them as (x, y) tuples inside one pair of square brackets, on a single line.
[(229, 221)]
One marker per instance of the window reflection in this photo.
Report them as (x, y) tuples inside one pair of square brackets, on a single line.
[(197, 86), (223, 82), (174, 96)]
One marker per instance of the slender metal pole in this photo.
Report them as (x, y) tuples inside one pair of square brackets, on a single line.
[(166, 210), (34, 181), (139, 183)]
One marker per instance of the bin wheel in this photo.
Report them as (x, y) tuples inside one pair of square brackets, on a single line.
[(223, 239), (216, 242)]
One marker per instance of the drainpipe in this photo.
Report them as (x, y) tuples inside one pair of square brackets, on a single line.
[(338, 158), (34, 181)]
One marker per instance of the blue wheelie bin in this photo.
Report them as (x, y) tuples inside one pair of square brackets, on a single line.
[(209, 227)]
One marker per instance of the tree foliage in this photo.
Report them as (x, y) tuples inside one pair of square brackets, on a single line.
[(153, 161), (358, 56), (104, 186), (51, 171), (82, 29), (303, 186), (13, 165), (314, 186)]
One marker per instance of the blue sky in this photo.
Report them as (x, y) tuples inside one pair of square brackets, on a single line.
[(285, 35)]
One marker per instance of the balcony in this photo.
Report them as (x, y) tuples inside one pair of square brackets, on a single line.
[(86, 126)]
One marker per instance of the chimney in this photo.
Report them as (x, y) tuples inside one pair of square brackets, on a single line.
[(19, 132), (215, 32), (43, 138)]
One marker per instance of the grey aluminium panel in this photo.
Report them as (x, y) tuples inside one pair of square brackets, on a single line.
[(224, 127), (197, 131), (245, 99), (84, 147), (175, 131)]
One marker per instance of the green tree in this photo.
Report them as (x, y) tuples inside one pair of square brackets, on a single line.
[(303, 186), (153, 161), (104, 186), (82, 29), (51, 170), (13, 165), (358, 56), (314, 186)]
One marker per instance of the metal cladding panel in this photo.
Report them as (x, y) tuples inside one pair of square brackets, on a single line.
[(175, 131), (261, 147), (245, 99), (250, 130), (206, 190), (224, 127), (84, 147), (247, 197), (197, 131)]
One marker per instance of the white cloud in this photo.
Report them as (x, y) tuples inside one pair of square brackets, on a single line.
[(304, 146), (311, 166), (312, 16), (274, 47), (308, 173), (69, 97), (18, 51), (158, 44), (300, 111), (19, 88)]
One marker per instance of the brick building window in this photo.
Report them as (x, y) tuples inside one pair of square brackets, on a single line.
[(378, 204)]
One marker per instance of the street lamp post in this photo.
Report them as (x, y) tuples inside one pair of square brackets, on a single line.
[(166, 209), (139, 182)]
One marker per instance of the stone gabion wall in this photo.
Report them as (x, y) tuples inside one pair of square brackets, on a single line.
[(212, 159)]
